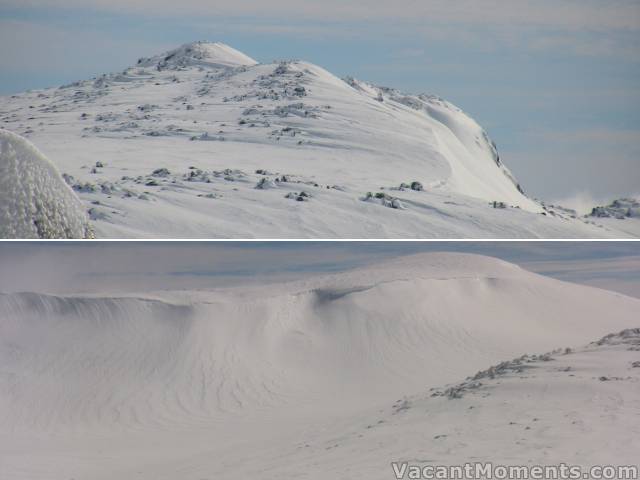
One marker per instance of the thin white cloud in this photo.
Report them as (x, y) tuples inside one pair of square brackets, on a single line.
[(621, 274), (135, 267), (123, 267), (36, 47), (589, 14), (596, 169), (600, 163), (606, 137), (594, 45), (582, 202), (583, 27)]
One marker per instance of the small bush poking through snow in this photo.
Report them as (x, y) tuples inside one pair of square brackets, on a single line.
[(35, 201)]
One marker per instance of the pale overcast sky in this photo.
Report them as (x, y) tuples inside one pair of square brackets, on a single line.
[(555, 82), (125, 267)]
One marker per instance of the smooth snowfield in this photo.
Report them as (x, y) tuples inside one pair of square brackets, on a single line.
[(304, 378), (204, 142), (35, 202)]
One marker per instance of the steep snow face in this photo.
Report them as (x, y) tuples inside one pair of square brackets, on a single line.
[(35, 201), (206, 54), (471, 155), (184, 138), (184, 379)]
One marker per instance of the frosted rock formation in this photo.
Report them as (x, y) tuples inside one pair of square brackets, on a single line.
[(35, 202)]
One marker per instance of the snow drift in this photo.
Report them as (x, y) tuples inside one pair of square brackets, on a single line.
[(250, 369), (35, 201)]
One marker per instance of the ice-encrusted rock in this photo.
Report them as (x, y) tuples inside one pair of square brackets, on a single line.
[(266, 184), (35, 201)]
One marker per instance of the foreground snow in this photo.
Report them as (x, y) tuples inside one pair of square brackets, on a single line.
[(331, 377), (35, 201), (182, 144)]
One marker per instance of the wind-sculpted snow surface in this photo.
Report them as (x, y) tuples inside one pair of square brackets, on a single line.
[(275, 150), (268, 381), (35, 202)]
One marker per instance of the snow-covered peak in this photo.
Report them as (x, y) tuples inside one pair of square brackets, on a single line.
[(202, 53), (343, 159)]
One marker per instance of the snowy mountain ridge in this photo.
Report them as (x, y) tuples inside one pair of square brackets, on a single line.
[(202, 141)]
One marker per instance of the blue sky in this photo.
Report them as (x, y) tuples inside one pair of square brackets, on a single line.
[(554, 82), (65, 267)]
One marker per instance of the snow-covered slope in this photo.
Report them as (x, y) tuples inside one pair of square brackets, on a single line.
[(35, 201), (286, 149), (270, 380), (573, 406)]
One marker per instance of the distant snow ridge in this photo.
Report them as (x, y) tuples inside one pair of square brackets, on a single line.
[(621, 208), (35, 201)]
